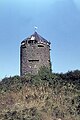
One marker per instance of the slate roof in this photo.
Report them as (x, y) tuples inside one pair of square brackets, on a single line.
[(37, 37)]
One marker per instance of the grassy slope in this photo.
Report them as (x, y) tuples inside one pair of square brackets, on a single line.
[(41, 97)]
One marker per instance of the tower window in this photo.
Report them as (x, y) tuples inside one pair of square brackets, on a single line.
[(33, 60), (31, 42), (23, 46), (35, 41), (40, 45)]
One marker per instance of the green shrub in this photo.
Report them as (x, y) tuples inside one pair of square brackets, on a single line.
[(44, 73)]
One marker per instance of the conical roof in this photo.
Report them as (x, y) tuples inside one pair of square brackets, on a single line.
[(37, 37)]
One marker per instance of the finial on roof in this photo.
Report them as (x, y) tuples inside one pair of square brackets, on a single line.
[(35, 28)]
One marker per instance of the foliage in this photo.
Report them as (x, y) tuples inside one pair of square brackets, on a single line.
[(57, 95), (25, 114), (44, 73)]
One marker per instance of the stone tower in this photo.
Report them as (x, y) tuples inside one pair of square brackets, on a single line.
[(34, 53)]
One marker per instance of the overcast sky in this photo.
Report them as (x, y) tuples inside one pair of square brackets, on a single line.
[(57, 20)]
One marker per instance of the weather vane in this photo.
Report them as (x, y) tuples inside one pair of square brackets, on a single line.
[(35, 28)]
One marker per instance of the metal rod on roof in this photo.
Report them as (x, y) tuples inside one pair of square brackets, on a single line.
[(35, 28)]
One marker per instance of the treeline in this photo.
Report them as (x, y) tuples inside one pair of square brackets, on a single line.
[(43, 76)]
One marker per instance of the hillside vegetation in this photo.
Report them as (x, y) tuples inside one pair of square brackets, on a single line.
[(45, 96)]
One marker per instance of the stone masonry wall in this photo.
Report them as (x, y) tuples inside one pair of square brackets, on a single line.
[(32, 57)]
